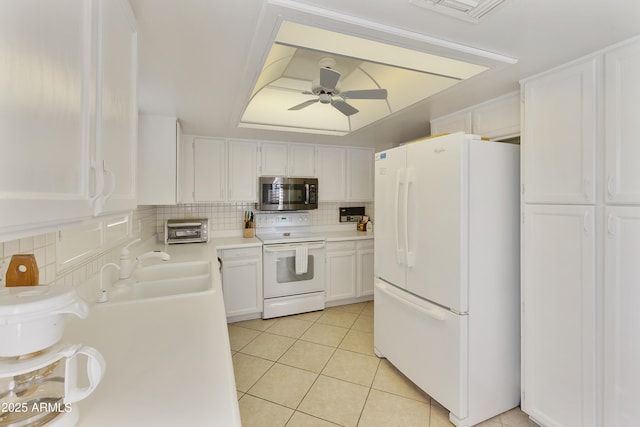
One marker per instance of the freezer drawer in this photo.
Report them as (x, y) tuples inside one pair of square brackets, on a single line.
[(425, 342)]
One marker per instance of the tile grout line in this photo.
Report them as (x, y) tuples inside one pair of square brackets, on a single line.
[(316, 321)]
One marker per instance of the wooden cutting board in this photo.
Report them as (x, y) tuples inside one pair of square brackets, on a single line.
[(22, 271)]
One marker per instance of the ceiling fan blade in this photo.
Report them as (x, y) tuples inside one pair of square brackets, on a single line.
[(344, 108), (303, 105), (365, 94), (329, 79)]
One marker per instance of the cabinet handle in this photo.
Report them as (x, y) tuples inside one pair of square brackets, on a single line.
[(101, 197), (610, 229)]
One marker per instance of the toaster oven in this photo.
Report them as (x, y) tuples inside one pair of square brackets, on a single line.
[(186, 230)]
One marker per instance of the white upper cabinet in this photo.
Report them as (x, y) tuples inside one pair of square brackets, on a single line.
[(360, 174), (498, 118), (622, 133), (274, 159), (560, 128), (224, 170), (282, 159), (302, 160), (451, 123), (242, 171), (209, 170), (68, 93), (159, 160), (559, 315), (46, 119), (332, 169), (117, 107)]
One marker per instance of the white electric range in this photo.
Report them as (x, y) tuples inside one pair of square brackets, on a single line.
[(293, 263)]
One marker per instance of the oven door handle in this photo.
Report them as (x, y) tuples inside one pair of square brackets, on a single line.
[(288, 247)]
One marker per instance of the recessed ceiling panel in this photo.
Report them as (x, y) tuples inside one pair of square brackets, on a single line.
[(290, 93)]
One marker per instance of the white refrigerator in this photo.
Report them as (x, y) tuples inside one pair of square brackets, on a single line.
[(447, 267)]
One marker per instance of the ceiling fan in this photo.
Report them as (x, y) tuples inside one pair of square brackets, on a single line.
[(327, 91)]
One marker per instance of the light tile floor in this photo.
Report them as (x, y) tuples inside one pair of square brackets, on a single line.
[(319, 369)]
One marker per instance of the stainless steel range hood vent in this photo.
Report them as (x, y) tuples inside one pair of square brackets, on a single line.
[(467, 10)]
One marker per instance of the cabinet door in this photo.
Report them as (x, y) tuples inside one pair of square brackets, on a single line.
[(332, 174), (558, 323), (243, 171), (622, 317), (560, 131), (499, 118), (302, 160), (341, 272), (158, 160), (242, 286), (273, 159), (459, 122), (622, 133), (365, 268), (360, 175), (117, 107), (45, 124), (209, 169)]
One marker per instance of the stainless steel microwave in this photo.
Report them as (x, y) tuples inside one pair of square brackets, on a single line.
[(288, 194)]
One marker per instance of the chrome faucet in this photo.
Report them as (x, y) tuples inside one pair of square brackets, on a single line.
[(128, 266)]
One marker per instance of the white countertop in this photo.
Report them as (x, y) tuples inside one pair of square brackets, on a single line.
[(336, 236), (168, 361), (236, 242)]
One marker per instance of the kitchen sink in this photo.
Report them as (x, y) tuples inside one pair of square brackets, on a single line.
[(164, 280), (168, 287), (175, 270)]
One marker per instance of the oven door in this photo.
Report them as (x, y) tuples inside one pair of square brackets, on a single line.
[(293, 269)]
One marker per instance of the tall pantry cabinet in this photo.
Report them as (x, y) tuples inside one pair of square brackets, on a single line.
[(580, 155)]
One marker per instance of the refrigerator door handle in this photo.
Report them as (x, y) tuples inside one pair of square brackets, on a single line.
[(410, 255), (399, 182), (434, 314)]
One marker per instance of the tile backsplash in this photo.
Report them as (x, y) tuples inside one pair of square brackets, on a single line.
[(44, 247), (229, 216), (147, 221)]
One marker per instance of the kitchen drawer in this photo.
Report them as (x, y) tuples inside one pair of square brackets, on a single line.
[(341, 246), (229, 254), (365, 244)]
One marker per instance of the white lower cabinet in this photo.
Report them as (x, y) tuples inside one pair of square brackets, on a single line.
[(341, 270), (622, 317), (349, 269), (559, 315), (365, 267), (242, 281)]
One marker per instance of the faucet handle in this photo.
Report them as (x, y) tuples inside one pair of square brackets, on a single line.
[(124, 252)]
